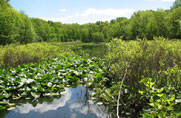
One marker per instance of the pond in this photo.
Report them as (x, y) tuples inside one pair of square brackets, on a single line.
[(72, 104), (74, 101), (89, 49)]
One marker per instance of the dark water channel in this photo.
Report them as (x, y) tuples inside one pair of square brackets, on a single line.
[(73, 103)]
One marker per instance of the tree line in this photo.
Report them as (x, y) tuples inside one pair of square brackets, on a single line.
[(16, 27)]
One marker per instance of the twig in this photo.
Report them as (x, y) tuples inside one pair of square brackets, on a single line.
[(120, 92)]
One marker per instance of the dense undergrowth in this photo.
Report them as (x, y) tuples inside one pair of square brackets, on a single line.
[(48, 78), (152, 83), (14, 55)]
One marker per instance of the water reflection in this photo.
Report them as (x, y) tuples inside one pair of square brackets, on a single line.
[(88, 109), (90, 50), (72, 104), (41, 108)]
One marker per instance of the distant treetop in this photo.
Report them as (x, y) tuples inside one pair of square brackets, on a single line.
[(176, 4)]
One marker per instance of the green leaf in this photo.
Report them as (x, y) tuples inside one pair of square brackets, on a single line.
[(114, 87), (1, 97), (146, 115), (40, 89), (171, 99), (99, 75), (35, 94), (151, 104), (11, 108), (7, 95), (141, 92), (24, 94), (2, 107)]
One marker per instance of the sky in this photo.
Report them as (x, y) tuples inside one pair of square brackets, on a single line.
[(86, 11)]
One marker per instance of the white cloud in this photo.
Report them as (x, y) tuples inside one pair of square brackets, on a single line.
[(91, 15), (62, 10), (107, 12), (58, 19), (61, 19)]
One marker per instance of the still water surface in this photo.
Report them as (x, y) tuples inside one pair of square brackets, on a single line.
[(90, 50), (74, 101), (72, 104)]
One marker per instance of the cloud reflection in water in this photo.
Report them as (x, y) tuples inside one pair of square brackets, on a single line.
[(41, 108), (72, 104), (99, 111)]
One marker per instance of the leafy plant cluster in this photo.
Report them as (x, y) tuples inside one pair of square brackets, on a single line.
[(163, 102), (16, 27), (159, 60), (14, 55), (49, 78)]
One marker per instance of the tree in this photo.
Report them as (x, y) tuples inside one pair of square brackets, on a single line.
[(85, 35), (108, 33), (19, 28), (174, 23), (27, 33), (42, 29), (98, 37), (176, 4), (9, 26), (4, 4)]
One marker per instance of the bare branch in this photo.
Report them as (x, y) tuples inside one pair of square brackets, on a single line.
[(120, 92)]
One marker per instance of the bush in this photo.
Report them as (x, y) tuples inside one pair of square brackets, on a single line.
[(13, 55), (143, 58), (159, 59), (162, 101)]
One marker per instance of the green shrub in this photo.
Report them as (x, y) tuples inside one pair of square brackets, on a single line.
[(13, 55), (162, 102), (143, 58), (159, 59)]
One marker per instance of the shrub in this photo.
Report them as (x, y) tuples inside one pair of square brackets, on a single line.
[(13, 55), (162, 102), (159, 59)]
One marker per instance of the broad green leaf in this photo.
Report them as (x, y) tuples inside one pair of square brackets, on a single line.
[(35, 94)]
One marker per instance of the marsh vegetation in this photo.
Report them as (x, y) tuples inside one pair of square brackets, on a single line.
[(122, 68)]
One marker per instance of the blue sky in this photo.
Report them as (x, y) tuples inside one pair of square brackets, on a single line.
[(85, 11)]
